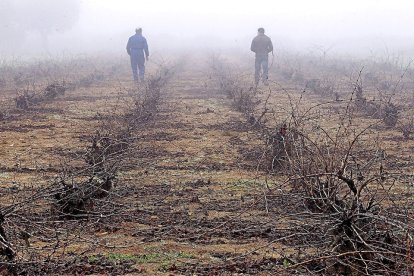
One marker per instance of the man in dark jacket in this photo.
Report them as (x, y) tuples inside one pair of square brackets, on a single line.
[(136, 47), (262, 46)]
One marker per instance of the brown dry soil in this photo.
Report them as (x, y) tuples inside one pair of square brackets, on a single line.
[(190, 200)]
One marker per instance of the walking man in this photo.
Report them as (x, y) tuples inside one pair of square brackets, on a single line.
[(136, 47), (262, 46)]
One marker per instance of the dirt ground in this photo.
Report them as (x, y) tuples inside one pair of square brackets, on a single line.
[(191, 198)]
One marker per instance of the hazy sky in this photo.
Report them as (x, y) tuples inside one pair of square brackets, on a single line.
[(319, 16), (299, 24), (293, 22)]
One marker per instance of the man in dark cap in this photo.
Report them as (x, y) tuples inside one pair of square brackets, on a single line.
[(262, 46), (136, 47)]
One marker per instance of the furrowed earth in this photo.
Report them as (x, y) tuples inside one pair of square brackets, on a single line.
[(192, 195)]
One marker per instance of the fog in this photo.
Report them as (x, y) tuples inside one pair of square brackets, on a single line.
[(368, 27)]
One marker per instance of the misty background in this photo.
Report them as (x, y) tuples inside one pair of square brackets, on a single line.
[(56, 27)]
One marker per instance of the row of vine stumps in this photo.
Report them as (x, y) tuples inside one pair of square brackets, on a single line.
[(84, 192), (338, 186)]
